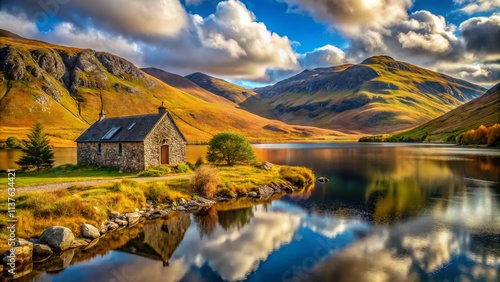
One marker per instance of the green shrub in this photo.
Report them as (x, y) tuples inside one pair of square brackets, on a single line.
[(13, 142), (182, 168), (155, 171), (150, 173)]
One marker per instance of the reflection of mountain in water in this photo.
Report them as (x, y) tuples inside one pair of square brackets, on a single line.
[(461, 239), (159, 239)]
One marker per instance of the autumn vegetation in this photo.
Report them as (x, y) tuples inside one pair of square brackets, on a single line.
[(489, 136)]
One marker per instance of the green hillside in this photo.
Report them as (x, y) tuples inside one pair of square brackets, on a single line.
[(230, 91), (484, 110)]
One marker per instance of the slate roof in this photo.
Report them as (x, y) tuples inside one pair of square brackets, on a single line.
[(143, 125)]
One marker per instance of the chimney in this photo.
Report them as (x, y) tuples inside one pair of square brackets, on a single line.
[(162, 109), (102, 115)]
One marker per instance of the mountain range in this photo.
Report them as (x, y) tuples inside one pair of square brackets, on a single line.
[(65, 87), (379, 95)]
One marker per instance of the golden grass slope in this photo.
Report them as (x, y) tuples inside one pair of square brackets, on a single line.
[(380, 95), (484, 110)]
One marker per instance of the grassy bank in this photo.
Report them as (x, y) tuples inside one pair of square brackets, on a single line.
[(73, 173), (36, 211)]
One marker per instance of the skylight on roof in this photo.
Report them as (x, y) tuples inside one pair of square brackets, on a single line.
[(111, 133), (130, 126)]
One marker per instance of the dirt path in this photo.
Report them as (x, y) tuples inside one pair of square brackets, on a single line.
[(64, 185)]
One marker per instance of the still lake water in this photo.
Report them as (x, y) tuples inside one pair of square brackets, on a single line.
[(391, 212)]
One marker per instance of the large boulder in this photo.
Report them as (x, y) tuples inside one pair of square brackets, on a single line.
[(58, 238), (90, 231)]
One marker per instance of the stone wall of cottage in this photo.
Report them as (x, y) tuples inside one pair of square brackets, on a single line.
[(131, 158), (164, 133)]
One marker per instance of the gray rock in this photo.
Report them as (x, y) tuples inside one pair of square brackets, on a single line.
[(181, 201), (111, 226), (180, 208), (90, 231), (252, 194), (204, 202), (42, 250), (265, 191), (59, 238), (190, 204), (266, 165), (114, 214), (322, 179), (158, 214), (132, 218), (120, 222)]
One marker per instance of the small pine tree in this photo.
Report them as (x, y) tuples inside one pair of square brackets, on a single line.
[(36, 151)]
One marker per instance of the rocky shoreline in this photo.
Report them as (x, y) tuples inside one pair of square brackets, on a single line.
[(55, 248)]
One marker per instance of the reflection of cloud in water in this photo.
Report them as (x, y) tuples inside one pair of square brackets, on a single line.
[(431, 251), (405, 251), (330, 226), (235, 253), (477, 209)]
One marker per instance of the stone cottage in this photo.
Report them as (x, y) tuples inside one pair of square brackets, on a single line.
[(132, 142)]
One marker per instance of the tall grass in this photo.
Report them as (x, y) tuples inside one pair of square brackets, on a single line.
[(205, 181), (300, 176)]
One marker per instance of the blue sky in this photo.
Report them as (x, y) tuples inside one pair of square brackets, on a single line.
[(259, 42)]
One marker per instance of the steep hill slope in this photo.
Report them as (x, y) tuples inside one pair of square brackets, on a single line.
[(484, 110), (65, 87), (380, 95), (221, 87)]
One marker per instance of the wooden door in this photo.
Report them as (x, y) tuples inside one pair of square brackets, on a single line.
[(164, 154)]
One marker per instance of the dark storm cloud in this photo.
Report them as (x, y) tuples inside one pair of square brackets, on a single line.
[(482, 35)]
